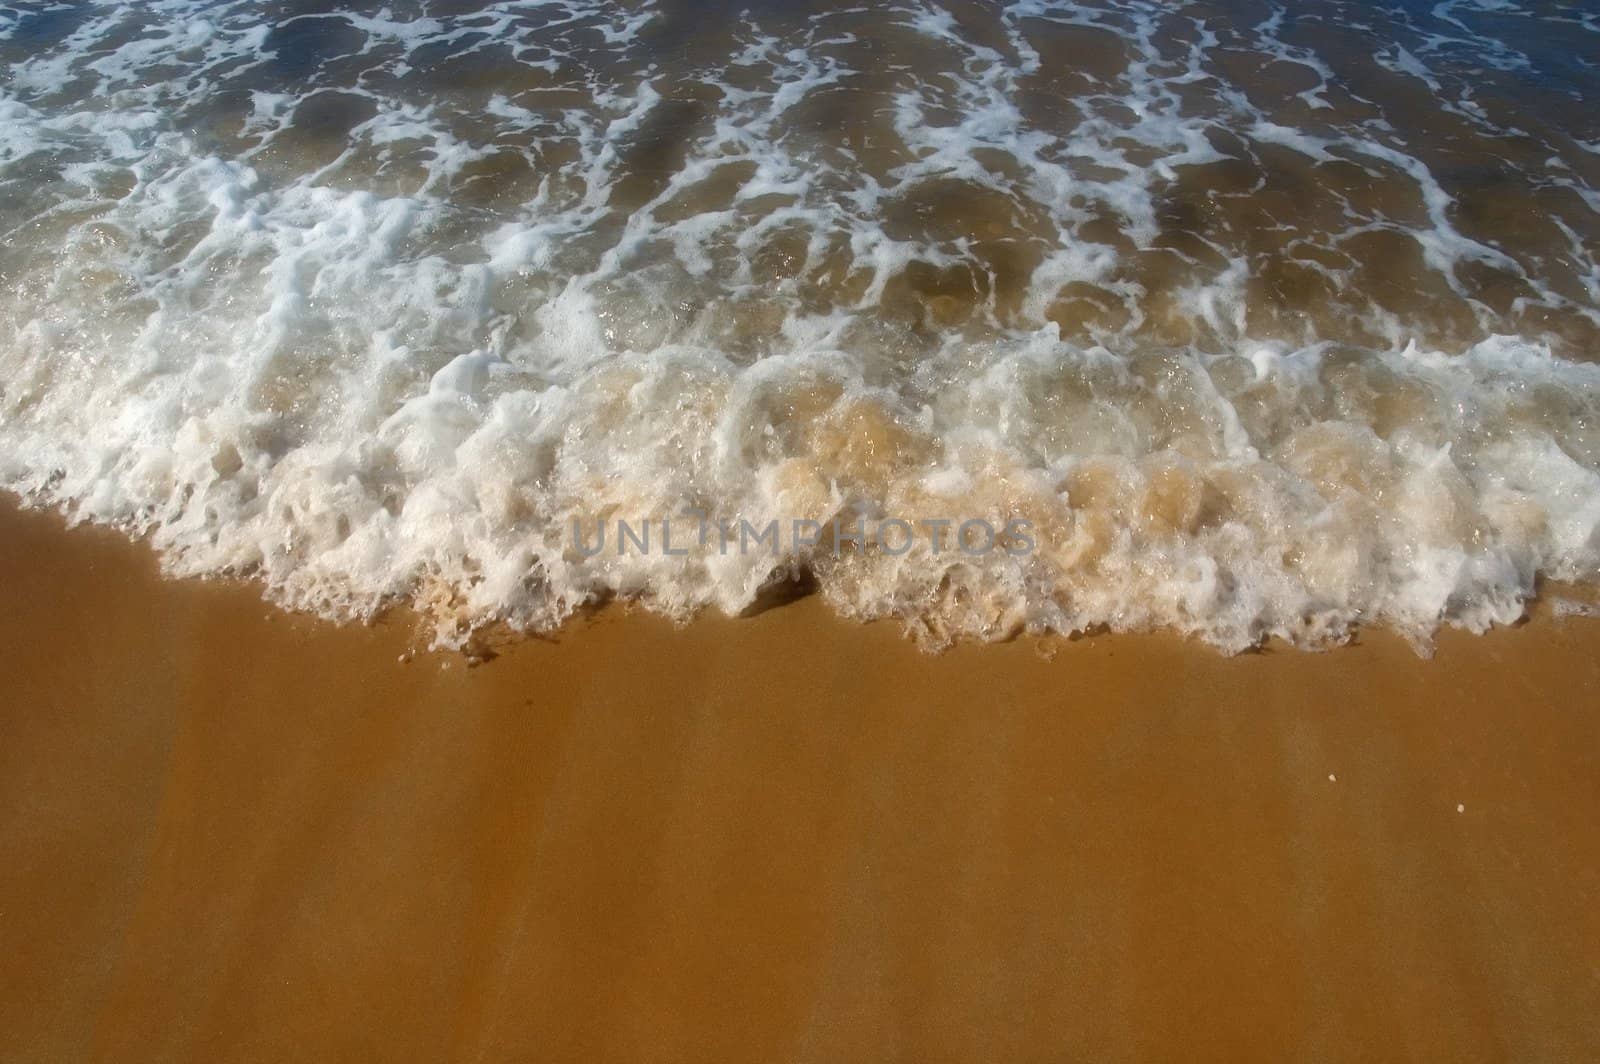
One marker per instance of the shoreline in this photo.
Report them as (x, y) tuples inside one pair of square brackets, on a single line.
[(236, 833)]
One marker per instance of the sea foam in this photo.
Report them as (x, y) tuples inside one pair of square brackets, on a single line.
[(377, 307)]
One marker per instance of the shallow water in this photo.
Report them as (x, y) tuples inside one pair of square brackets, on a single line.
[(1240, 319)]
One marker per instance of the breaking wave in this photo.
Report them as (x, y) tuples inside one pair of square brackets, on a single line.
[(1268, 320)]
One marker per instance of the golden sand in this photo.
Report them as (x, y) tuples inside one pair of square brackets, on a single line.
[(231, 834)]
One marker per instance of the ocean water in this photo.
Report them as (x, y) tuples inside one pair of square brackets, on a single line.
[(1240, 319)]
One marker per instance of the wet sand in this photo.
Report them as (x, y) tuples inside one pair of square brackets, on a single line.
[(231, 834)]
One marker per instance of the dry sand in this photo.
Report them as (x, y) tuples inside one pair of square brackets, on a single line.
[(228, 834)]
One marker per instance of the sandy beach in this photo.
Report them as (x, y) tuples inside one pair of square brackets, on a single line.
[(1177, 369), (233, 834)]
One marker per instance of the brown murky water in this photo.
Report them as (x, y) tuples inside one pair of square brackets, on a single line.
[(1263, 319)]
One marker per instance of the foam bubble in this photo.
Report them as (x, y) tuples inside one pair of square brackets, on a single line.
[(1248, 352)]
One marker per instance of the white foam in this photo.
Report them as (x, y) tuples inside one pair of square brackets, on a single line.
[(356, 382)]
